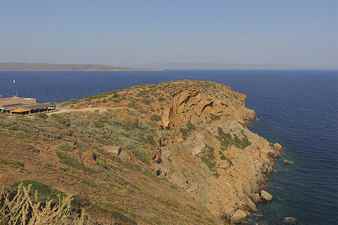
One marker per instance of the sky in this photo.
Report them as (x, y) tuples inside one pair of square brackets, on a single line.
[(171, 33)]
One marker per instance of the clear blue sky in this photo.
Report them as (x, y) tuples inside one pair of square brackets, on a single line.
[(162, 32)]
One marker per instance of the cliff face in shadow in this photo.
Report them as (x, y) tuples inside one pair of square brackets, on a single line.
[(174, 153)]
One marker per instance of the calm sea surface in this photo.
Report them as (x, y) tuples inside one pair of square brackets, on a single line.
[(296, 108)]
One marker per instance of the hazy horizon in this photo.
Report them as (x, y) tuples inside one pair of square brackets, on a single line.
[(36, 66), (175, 34)]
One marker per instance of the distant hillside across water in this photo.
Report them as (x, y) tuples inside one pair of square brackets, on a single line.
[(58, 67), (15, 66)]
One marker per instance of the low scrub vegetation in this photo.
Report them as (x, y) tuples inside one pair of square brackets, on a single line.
[(208, 158), (155, 118), (70, 161), (187, 130), (12, 163), (45, 192), (22, 206), (226, 140)]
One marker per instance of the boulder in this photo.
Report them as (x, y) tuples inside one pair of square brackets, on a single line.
[(266, 196), (165, 118), (157, 157), (257, 198), (287, 162), (251, 205), (89, 158), (290, 221), (273, 154), (278, 147), (238, 216), (115, 150)]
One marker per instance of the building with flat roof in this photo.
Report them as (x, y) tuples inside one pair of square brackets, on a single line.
[(24, 106)]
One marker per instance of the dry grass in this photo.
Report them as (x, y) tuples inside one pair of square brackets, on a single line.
[(24, 208)]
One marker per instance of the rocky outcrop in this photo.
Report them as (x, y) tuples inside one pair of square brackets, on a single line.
[(196, 105), (266, 196), (290, 221), (288, 162), (224, 163), (204, 147), (89, 158), (238, 216), (278, 147), (251, 205)]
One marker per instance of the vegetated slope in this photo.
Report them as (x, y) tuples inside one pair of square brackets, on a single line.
[(173, 153)]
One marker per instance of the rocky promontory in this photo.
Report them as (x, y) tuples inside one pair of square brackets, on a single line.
[(173, 153)]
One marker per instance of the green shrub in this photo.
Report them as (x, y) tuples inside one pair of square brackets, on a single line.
[(132, 104), (155, 118), (226, 140), (241, 143), (115, 97), (98, 124), (147, 101), (45, 192), (187, 130), (12, 163), (69, 160), (98, 96), (42, 115), (214, 117), (161, 99), (62, 119), (65, 147), (222, 156), (142, 155), (208, 158)]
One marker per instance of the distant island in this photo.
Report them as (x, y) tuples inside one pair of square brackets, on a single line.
[(18, 66), (58, 67)]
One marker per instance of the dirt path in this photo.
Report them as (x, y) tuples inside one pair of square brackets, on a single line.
[(68, 110), (88, 109)]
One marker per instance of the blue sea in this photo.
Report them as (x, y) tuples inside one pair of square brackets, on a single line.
[(296, 108)]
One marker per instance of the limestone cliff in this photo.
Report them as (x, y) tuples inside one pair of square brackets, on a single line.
[(174, 153)]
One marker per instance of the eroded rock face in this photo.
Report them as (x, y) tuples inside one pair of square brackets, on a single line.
[(196, 105), (209, 152), (219, 160)]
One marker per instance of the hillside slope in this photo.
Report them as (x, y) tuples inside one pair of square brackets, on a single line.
[(174, 153)]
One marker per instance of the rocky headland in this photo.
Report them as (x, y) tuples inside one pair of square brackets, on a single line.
[(173, 153)]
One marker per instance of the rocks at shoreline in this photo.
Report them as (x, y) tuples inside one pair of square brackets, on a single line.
[(266, 196), (290, 221), (278, 147), (257, 198), (251, 205), (239, 216), (288, 162)]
